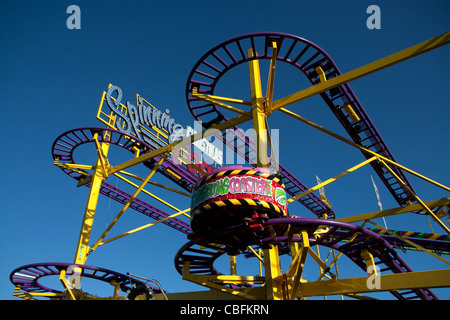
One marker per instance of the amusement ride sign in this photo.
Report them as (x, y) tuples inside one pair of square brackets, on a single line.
[(250, 187), (151, 125), (257, 187)]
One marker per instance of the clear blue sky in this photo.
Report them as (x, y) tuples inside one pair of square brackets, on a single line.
[(52, 79)]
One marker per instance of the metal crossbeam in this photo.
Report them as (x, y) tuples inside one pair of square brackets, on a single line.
[(389, 282), (364, 70)]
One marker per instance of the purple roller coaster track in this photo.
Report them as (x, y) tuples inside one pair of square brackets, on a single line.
[(346, 238)]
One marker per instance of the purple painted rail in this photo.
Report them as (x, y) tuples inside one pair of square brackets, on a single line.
[(64, 146), (305, 56), (29, 276), (347, 238)]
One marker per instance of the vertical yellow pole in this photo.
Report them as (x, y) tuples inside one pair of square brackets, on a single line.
[(370, 262), (272, 267), (116, 286), (130, 200), (259, 118), (298, 264), (272, 271), (260, 253), (88, 219), (320, 267), (66, 285), (233, 270)]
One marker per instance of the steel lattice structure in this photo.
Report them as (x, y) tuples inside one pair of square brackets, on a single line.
[(366, 247)]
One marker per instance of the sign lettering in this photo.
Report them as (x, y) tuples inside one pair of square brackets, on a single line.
[(139, 120), (154, 126), (206, 147), (239, 184)]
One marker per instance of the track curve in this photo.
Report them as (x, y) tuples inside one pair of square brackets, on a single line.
[(304, 56), (347, 238), (63, 149), (29, 276)]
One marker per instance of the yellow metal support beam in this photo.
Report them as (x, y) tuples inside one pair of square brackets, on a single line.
[(275, 282), (323, 268), (233, 266), (143, 227), (272, 271), (271, 80), (335, 259), (317, 89), (394, 211), (102, 155), (321, 74), (178, 144), (410, 242), (219, 98), (367, 151), (295, 271), (364, 70), (370, 262), (218, 282), (424, 206), (259, 117), (73, 165), (89, 213), (349, 109), (32, 295), (251, 294), (74, 168), (116, 286), (389, 282), (199, 170), (273, 151), (66, 285), (257, 255), (155, 183), (320, 185), (125, 207), (274, 285), (218, 101), (151, 194)]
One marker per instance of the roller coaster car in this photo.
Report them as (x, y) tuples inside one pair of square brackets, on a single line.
[(231, 204)]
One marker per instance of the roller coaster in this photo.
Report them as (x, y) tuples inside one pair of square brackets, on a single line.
[(244, 210)]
